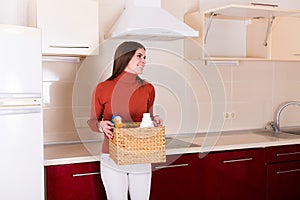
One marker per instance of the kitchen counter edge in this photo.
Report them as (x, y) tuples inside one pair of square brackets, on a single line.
[(89, 152)]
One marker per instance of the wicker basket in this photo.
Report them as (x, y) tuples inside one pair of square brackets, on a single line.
[(134, 145)]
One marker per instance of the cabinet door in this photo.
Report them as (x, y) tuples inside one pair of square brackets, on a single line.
[(284, 4), (285, 39), (74, 181), (235, 175), (283, 181), (283, 153), (179, 178), (68, 26)]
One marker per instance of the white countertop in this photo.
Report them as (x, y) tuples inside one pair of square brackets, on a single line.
[(88, 152)]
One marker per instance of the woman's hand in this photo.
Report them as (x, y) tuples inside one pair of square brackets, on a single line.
[(157, 121), (106, 127)]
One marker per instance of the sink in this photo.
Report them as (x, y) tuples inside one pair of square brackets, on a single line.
[(292, 131), (284, 133), (172, 143)]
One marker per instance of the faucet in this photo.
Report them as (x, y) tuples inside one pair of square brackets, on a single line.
[(275, 124)]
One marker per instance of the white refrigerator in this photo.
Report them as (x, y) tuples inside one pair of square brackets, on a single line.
[(21, 125)]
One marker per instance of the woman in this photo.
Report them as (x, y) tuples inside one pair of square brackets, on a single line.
[(124, 93)]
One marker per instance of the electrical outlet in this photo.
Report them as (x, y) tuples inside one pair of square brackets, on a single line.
[(226, 115), (232, 115), (229, 115)]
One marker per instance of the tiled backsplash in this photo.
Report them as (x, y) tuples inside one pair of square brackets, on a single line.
[(253, 91), (59, 122)]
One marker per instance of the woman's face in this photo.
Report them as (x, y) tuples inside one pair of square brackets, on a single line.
[(137, 62)]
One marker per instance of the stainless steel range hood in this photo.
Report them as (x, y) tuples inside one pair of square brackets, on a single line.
[(146, 20)]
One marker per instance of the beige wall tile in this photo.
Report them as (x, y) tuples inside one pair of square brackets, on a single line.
[(58, 120), (225, 73), (81, 112), (212, 117), (251, 91), (290, 116), (87, 134), (59, 71), (286, 91), (54, 137), (253, 71), (250, 115), (57, 94), (287, 71)]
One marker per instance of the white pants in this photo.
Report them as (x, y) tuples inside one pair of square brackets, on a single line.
[(117, 184)]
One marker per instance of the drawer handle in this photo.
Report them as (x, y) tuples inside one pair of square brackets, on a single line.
[(288, 154), (296, 54), (288, 171), (69, 47), (86, 174), (171, 166), (264, 4), (237, 160)]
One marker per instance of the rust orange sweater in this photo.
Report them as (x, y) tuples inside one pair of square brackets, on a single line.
[(123, 96)]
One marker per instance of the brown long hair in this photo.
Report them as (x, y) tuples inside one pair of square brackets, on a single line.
[(124, 52)]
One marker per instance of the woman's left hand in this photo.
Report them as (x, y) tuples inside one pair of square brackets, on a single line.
[(157, 121)]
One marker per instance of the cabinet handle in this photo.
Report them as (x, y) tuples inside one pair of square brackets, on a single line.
[(86, 174), (69, 47), (296, 54), (288, 171), (171, 166), (264, 4), (237, 160), (287, 154)]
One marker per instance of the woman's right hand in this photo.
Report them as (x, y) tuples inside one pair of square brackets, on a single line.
[(107, 128)]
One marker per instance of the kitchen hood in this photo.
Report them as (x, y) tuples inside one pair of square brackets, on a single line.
[(146, 20)]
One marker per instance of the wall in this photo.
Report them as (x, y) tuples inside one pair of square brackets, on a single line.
[(59, 125), (190, 96)]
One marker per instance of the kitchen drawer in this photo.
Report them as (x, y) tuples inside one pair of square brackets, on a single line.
[(283, 181), (180, 177), (235, 175), (283, 153), (74, 181)]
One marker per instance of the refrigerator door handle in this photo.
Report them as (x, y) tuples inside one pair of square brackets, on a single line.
[(20, 102), (19, 95), (20, 110)]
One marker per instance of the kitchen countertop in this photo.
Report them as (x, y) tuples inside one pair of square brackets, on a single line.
[(176, 144)]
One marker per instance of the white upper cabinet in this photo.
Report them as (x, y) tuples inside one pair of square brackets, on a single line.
[(285, 39), (282, 4), (69, 27), (238, 32), (247, 35)]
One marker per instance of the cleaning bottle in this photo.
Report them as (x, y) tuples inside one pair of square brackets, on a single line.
[(146, 121)]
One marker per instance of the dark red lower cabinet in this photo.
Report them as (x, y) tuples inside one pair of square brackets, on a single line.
[(74, 182), (234, 175), (283, 181), (250, 174), (177, 179)]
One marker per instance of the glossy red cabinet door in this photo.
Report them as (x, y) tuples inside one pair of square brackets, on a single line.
[(74, 182), (283, 172), (283, 181), (283, 153), (235, 175), (177, 179)]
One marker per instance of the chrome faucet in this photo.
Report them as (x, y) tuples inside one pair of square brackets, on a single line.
[(275, 124)]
